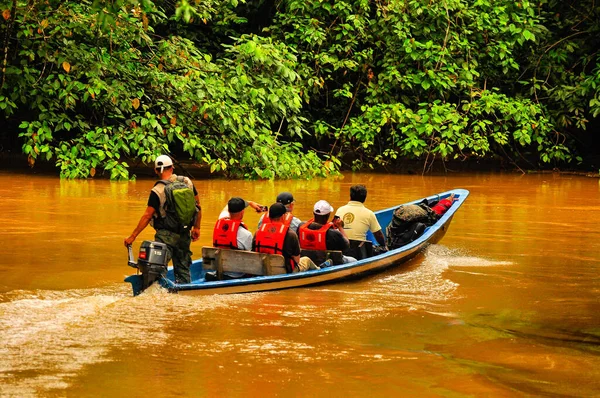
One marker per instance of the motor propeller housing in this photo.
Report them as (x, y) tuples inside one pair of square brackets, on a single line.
[(152, 261)]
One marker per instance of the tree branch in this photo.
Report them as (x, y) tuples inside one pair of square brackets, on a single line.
[(13, 11)]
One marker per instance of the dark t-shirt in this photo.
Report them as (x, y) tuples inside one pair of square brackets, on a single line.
[(291, 244), (334, 240)]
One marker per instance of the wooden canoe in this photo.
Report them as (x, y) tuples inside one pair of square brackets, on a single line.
[(332, 274)]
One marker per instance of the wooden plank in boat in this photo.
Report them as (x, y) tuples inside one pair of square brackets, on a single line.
[(274, 264), (319, 256), (226, 260)]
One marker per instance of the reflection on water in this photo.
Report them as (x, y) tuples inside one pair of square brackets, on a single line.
[(506, 304)]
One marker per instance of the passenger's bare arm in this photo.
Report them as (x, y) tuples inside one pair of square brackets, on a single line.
[(256, 206), (339, 225), (379, 237)]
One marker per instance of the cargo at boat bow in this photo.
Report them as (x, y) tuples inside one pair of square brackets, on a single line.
[(267, 272)]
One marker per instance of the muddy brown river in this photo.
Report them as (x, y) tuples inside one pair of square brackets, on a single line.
[(507, 304)]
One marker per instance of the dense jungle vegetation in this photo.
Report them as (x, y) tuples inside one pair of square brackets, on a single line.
[(299, 88)]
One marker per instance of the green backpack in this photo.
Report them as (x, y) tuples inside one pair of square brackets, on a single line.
[(180, 206)]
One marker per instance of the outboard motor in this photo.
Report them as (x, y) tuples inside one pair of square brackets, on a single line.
[(152, 261)]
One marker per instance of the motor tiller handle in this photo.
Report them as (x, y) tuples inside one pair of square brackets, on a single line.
[(131, 261)]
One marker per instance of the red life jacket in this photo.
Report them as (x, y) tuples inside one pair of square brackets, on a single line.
[(269, 240), (313, 239), (286, 219), (442, 206), (225, 233)]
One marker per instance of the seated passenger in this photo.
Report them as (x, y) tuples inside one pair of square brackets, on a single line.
[(319, 234), (230, 231), (358, 220), (286, 199), (410, 221), (276, 237)]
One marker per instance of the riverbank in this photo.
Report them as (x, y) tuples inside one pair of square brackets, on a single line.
[(18, 162)]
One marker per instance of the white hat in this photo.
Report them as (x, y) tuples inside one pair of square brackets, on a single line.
[(322, 207), (162, 161)]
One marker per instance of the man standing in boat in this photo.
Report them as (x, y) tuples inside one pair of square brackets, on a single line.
[(358, 220), (276, 237), (286, 199), (319, 234), (169, 227)]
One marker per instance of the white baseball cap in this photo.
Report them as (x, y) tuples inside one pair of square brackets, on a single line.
[(322, 207), (162, 161)]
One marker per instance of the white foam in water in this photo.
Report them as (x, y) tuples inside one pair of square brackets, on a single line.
[(52, 335), (424, 286), (455, 258), (40, 334), (420, 288), (428, 277)]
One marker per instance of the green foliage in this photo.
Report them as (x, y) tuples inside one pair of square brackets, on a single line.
[(290, 88), (489, 123), (420, 79), (98, 96), (591, 89), (563, 68)]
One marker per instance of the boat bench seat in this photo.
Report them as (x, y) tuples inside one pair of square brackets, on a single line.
[(228, 260), (319, 256)]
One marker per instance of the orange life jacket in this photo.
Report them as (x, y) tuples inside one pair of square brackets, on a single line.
[(286, 219), (225, 233), (313, 239), (269, 240)]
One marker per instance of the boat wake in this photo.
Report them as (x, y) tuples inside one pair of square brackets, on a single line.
[(425, 285), (419, 286), (49, 336), (417, 289)]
